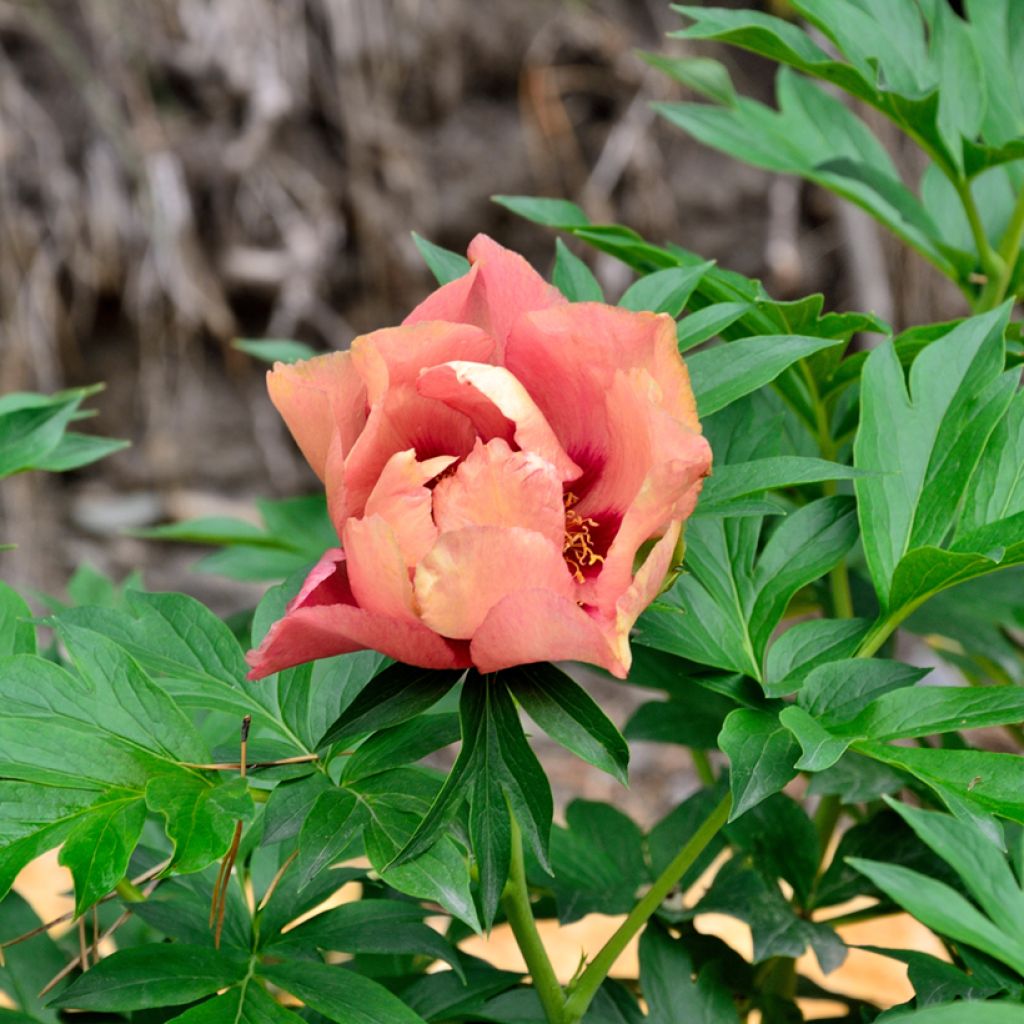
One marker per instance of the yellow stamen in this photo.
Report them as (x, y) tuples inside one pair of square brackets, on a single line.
[(578, 549)]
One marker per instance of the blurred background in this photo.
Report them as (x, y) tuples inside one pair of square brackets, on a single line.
[(178, 173)]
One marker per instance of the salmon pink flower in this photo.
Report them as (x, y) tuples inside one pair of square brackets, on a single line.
[(508, 474)]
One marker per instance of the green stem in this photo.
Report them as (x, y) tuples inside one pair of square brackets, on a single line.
[(702, 765), (826, 817), (991, 262), (1009, 249), (515, 901), (128, 892), (597, 970), (842, 596)]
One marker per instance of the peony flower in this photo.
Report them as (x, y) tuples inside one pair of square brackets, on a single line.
[(508, 474)]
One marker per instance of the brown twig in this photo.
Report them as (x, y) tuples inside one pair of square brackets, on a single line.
[(275, 881), (238, 766), (83, 948), (83, 956), (219, 903), (39, 929)]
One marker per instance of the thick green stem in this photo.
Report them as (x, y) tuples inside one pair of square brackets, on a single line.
[(703, 767), (1009, 249), (597, 970), (515, 901)]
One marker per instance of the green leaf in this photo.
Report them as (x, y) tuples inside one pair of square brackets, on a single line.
[(805, 646), (76, 450), (573, 278), (31, 427), (402, 744), (557, 213), (289, 805), (704, 324), (821, 748), (691, 721), (399, 693), (598, 861), (17, 634), (743, 892), (724, 373), (804, 547), (708, 77), (992, 782), (839, 690), (761, 754), (30, 965), (275, 350), (674, 989), (781, 841), (923, 443), (740, 479), (978, 862), (329, 828), (997, 489), (372, 926), (199, 816), (569, 716), (943, 909), (665, 291), (98, 847), (248, 1004), (444, 264), (953, 1013), (152, 976), (338, 994)]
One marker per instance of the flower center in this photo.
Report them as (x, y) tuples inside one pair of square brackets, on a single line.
[(578, 547)]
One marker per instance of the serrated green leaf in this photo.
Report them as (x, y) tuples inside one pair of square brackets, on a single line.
[(444, 264), (761, 752), (569, 716), (161, 975)]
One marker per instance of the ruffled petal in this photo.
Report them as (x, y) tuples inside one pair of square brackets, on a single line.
[(318, 399), (403, 420), (377, 571), (499, 406), (498, 289), (394, 356), (495, 486), (568, 357), (469, 571), (401, 498), (323, 620), (540, 625)]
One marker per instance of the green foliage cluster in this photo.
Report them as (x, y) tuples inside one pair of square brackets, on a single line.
[(854, 494)]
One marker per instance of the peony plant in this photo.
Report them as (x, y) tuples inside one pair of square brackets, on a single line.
[(508, 478)]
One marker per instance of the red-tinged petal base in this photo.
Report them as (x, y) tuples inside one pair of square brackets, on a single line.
[(322, 621), (540, 625)]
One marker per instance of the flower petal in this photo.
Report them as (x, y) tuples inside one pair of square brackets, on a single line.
[(468, 571), (318, 398), (540, 625), (567, 358), (400, 497), (495, 486), (499, 406), (395, 355), (377, 571), (323, 621), (498, 289), (403, 420)]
